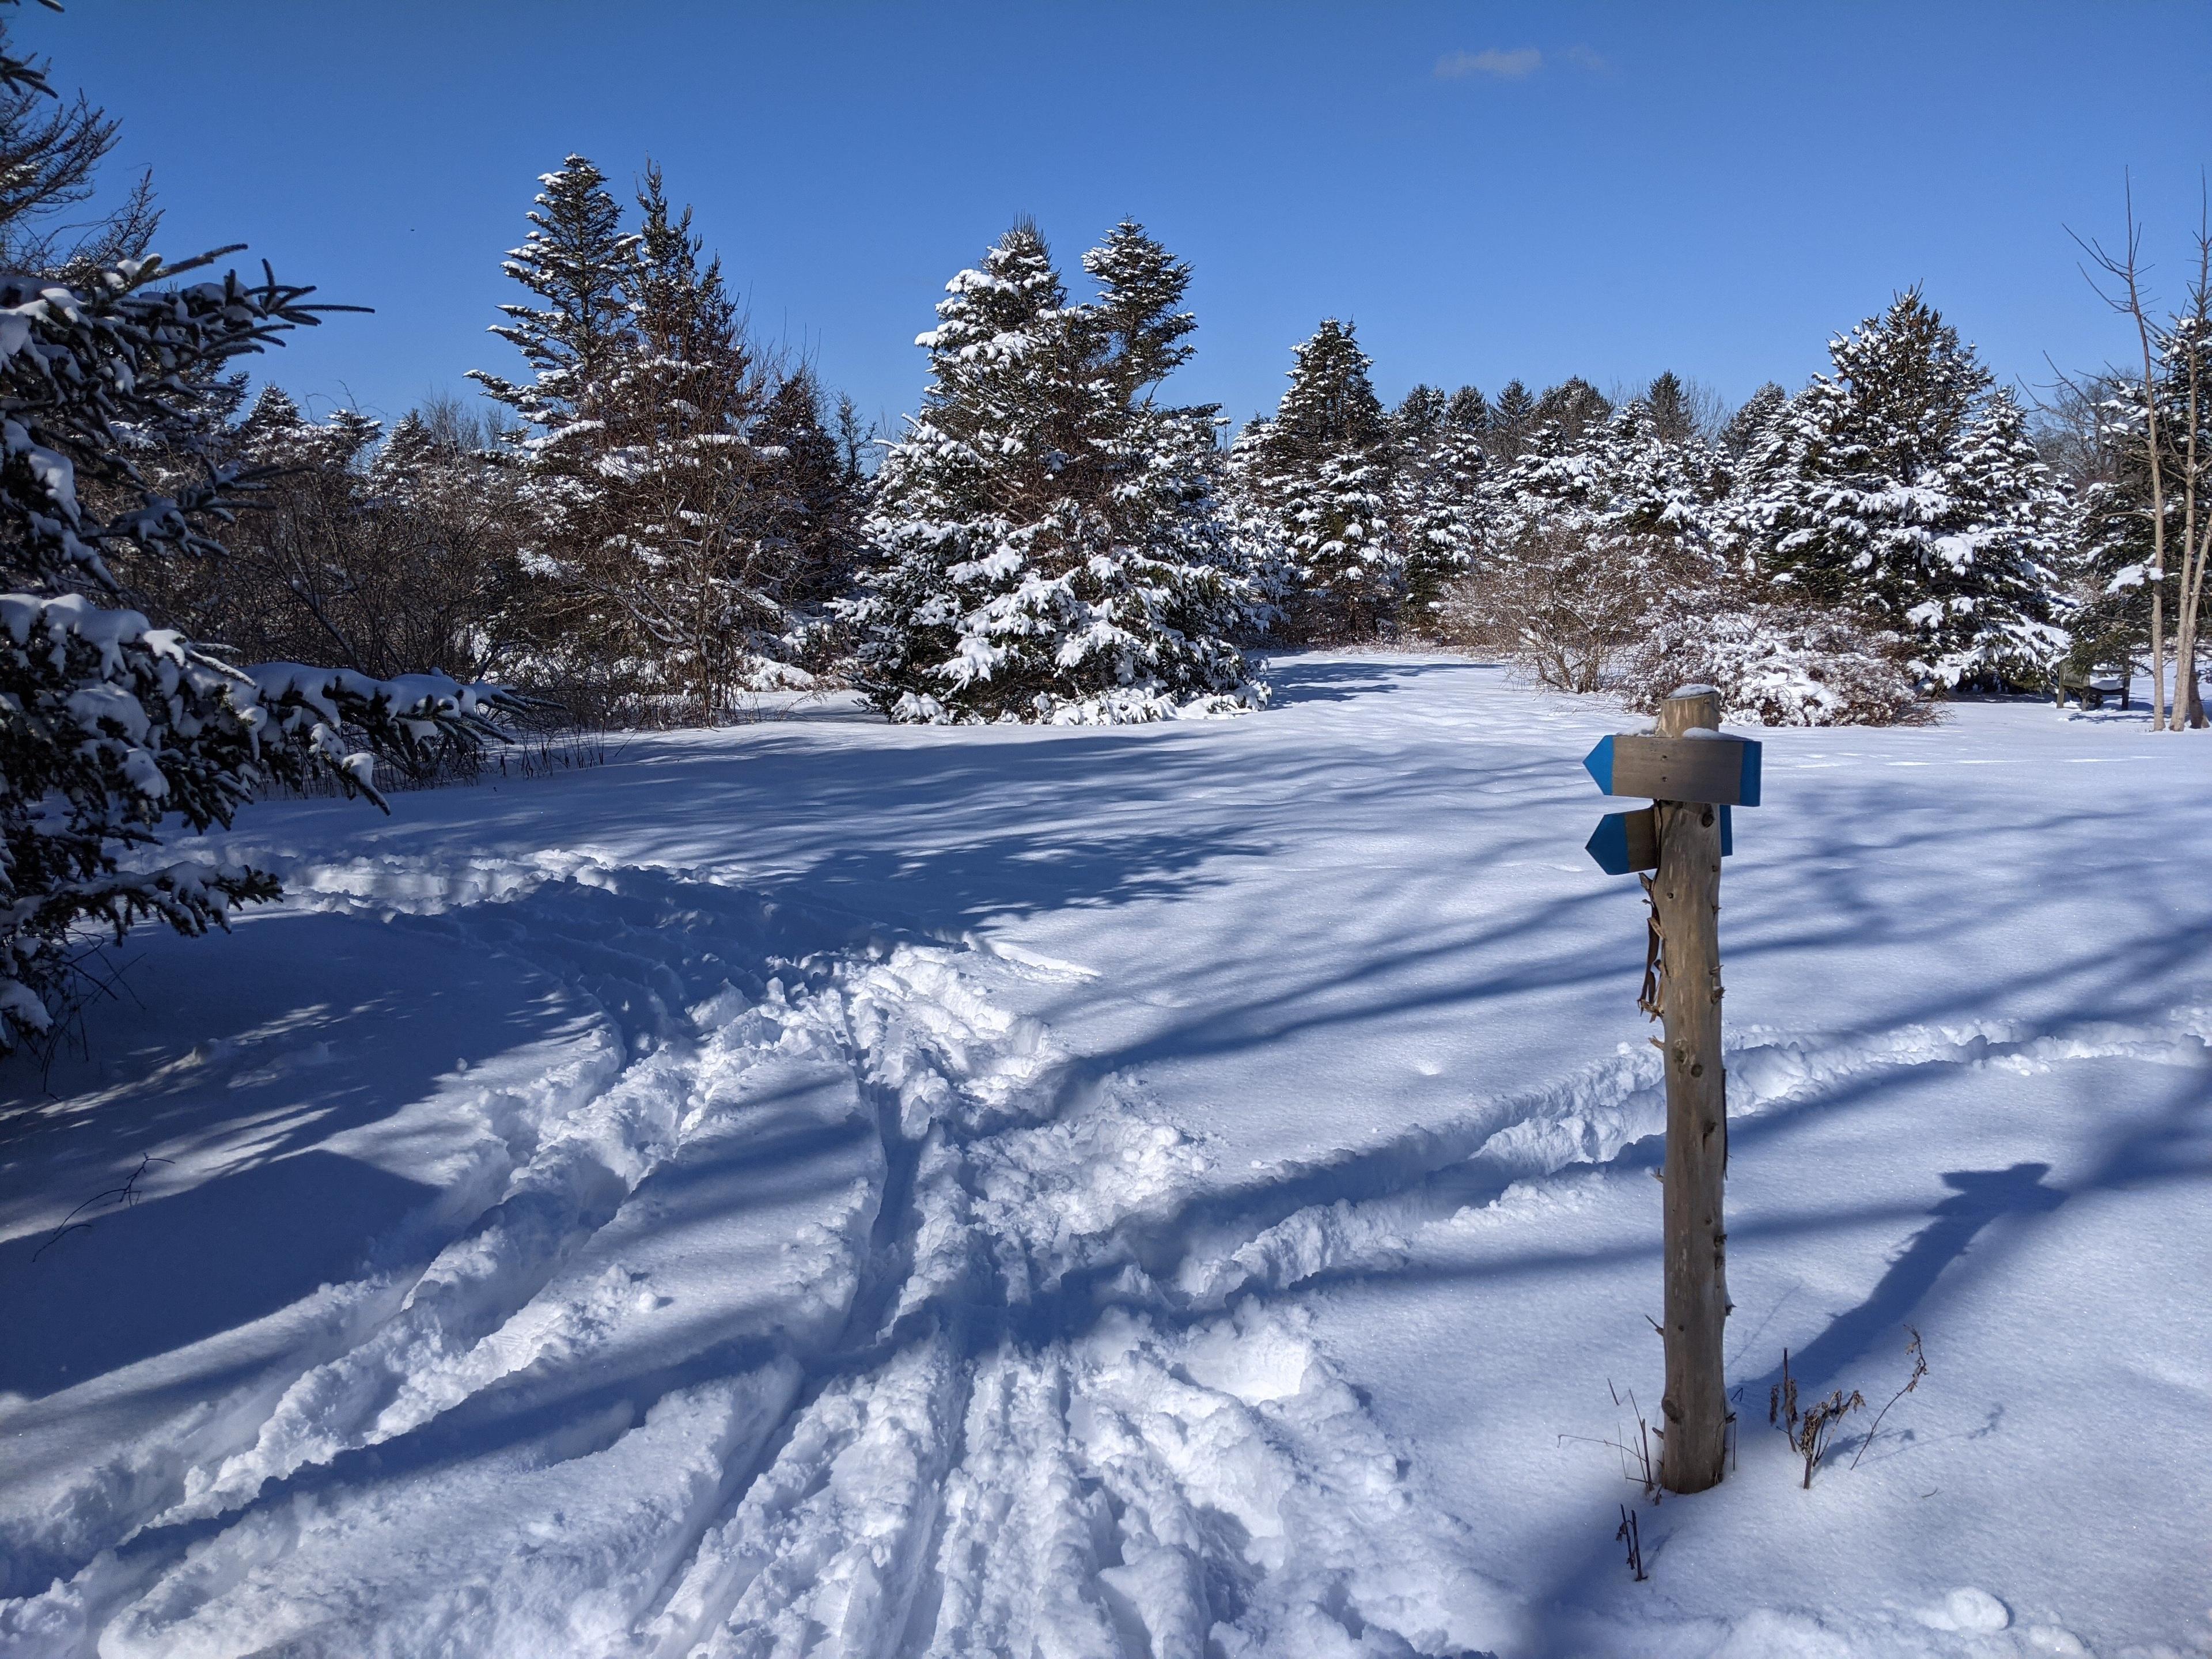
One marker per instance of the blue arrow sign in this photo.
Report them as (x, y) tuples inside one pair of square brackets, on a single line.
[(1599, 764), (1704, 766), (1625, 842)]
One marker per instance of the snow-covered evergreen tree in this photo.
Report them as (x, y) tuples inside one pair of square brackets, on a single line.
[(1898, 485), (1323, 466), (691, 516), (2114, 560), (1048, 541), (820, 492), (1468, 411), (1419, 413), (114, 724), (1746, 432), (577, 260), (1437, 501), (1574, 406), (1512, 420), (1672, 417)]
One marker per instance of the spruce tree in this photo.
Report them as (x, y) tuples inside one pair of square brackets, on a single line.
[(576, 259), (1323, 468), (1513, 418), (691, 515), (683, 556), (119, 732), (1047, 541), (1468, 411), (1420, 414), (1746, 432), (818, 493), (1668, 399), (2113, 562), (1574, 406), (1899, 486), (1436, 499)]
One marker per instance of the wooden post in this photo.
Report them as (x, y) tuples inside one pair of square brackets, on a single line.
[(1686, 896)]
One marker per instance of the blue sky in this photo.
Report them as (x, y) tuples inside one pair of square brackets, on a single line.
[(1487, 190)]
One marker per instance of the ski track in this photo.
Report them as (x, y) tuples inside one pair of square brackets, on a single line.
[(1008, 1391)]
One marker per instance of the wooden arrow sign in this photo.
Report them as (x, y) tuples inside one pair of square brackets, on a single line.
[(1627, 841), (1698, 766)]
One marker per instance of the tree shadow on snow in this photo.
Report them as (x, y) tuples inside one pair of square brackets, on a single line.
[(239, 1058), (1298, 679)]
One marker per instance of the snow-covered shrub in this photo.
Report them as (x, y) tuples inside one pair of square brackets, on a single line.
[(1774, 664), (1563, 605)]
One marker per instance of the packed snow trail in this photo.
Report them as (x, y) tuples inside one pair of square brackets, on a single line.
[(592, 1409), (773, 1273)]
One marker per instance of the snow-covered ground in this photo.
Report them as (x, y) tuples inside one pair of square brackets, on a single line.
[(826, 1189)]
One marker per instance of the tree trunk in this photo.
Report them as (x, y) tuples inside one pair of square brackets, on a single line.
[(1686, 897), (2158, 645)]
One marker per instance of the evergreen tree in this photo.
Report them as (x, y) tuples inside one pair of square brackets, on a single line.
[(1671, 417), (1420, 415), (1574, 406), (1324, 467), (1898, 485), (576, 259), (818, 491), (1745, 434), (1436, 495), (682, 553), (1468, 411), (1513, 418), (2113, 569), (117, 729), (1048, 542), (691, 515), (1136, 326)]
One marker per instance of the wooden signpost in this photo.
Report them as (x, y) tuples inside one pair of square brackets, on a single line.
[(1693, 774)]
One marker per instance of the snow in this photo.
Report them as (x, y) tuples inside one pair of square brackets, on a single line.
[(837, 1187)]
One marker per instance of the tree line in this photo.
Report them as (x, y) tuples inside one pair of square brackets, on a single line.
[(659, 516)]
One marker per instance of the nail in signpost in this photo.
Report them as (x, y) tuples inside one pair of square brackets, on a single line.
[(1692, 775)]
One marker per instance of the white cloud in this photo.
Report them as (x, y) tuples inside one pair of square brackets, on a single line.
[(1499, 62), (1584, 57)]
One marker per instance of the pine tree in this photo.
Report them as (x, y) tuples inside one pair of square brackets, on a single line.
[(819, 496), (1746, 432), (1324, 467), (1512, 419), (1468, 411), (690, 514), (1899, 486), (683, 554), (1671, 417), (1585, 535), (1574, 406), (1436, 499), (1048, 541), (2114, 560), (576, 259), (1420, 414), (117, 729)]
